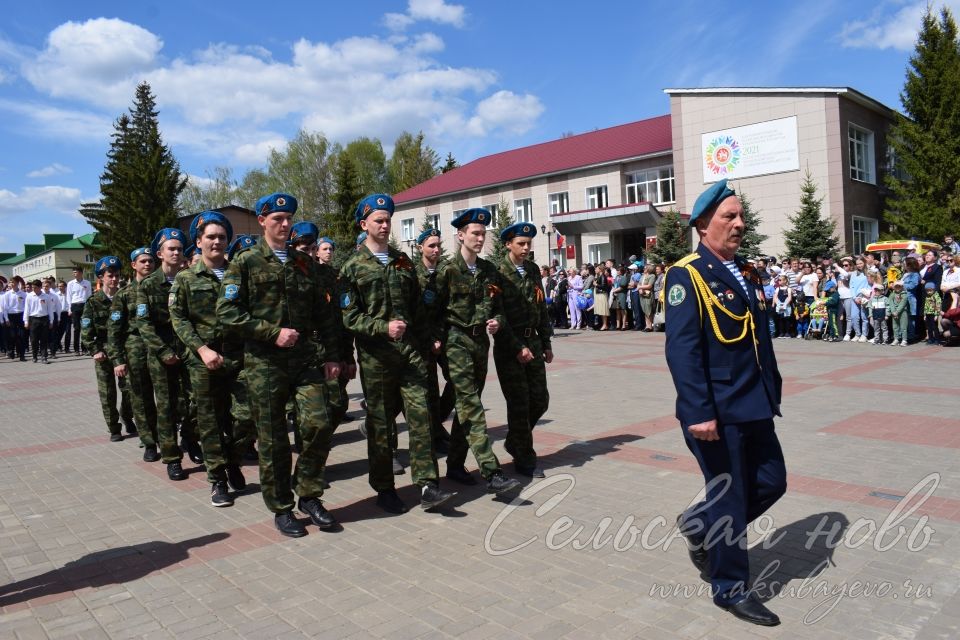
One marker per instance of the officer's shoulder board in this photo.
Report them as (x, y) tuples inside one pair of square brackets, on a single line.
[(677, 293), (687, 259)]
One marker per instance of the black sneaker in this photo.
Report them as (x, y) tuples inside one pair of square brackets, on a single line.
[(431, 496), (175, 471), (235, 477), (502, 485), (150, 453), (288, 525), (319, 515), (219, 495), (397, 466), (389, 501), (116, 437), (461, 475)]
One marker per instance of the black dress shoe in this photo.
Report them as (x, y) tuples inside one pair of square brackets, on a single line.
[(116, 437), (175, 471), (502, 485), (319, 515), (389, 501), (530, 472), (753, 611), (150, 453), (431, 496), (461, 475), (288, 525), (698, 555), (235, 477)]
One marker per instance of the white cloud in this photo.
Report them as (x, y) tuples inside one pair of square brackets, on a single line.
[(506, 111), (54, 122), (55, 169), (893, 25), (258, 152), (426, 10), (58, 199)]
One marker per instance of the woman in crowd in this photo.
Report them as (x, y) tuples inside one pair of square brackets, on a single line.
[(930, 271), (619, 291), (842, 272), (808, 282), (858, 326), (601, 301), (588, 275), (646, 295), (911, 283), (574, 290), (783, 309)]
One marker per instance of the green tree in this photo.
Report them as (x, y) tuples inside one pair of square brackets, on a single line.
[(140, 184), (925, 200), (811, 234), (501, 220), (412, 162), (339, 222), (449, 164), (305, 170), (219, 190), (370, 164), (752, 239), (673, 238)]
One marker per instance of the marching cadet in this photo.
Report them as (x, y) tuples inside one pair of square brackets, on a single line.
[(471, 300), (37, 318), (270, 299), (93, 327), (239, 401), (728, 391), (380, 300), (128, 353), (521, 351), (211, 364), (56, 307), (440, 405), (169, 378), (13, 301)]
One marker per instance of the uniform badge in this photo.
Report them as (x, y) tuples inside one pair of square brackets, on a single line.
[(85, 322), (231, 292), (141, 311), (429, 296), (676, 295), (344, 300), (171, 299), (115, 315), (729, 294), (714, 285)]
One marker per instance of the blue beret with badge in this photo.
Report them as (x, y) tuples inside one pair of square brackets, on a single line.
[(303, 231), (477, 215), (518, 229), (326, 240), (165, 235), (240, 243), (709, 199), (206, 217), (427, 234), (275, 203), (361, 238), (104, 263), (374, 202), (139, 251)]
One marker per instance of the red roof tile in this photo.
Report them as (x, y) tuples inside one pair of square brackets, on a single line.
[(586, 149)]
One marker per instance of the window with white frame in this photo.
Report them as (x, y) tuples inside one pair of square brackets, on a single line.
[(652, 185), (597, 197), (406, 229), (597, 253), (492, 208), (434, 220), (861, 154), (455, 214), (559, 202), (523, 210), (864, 232)]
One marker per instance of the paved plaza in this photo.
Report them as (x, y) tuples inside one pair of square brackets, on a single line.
[(95, 543)]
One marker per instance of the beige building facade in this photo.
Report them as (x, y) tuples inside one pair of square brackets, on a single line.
[(56, 257)]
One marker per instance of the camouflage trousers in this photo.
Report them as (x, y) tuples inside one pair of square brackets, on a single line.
[(141, 391), (440, 404), (215, 428), (467, 360), (524, 388), (390, 378), (244, 428), (107, 384), (273, 377), (171, 386)]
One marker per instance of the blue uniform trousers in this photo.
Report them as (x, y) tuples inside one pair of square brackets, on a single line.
[(750, 454)]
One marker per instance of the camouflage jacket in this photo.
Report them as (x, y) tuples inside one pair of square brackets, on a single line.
[(122, 327), (432, 311), (329, 289), (469, 299), (153, 317), (93, 323), (193, 309), (524, 305), (260, 295)]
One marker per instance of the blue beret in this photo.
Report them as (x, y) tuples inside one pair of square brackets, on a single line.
[(426, 234), (106, 262), (163, 235), (476, 215), (207, 217), (710, 198), (139, 251), (328, 241), (830, 285), (240, 242), (303, 230), (361, 238), (373, 202), (275, 203), (522, 229), (190, 251)]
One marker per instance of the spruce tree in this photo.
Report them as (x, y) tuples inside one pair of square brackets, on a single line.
[(339, 222), (752, 239), (673, 238), (412, 162), (501, 220), (925, 186), (449, 164), (811, 234), (140, 184)]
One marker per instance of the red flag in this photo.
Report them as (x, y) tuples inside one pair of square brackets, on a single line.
[(560, 240)]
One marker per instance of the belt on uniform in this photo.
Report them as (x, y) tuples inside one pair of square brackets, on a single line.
[(526, 332), (474, 330)]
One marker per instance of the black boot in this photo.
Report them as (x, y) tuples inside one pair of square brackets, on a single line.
[(288, 525), (389, 501)]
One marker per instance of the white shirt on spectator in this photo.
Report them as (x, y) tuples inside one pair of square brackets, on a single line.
[(78, 292)]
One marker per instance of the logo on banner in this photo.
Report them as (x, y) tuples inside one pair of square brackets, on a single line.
[(723, 155)]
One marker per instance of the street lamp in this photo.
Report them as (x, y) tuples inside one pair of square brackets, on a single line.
[(548, 231)]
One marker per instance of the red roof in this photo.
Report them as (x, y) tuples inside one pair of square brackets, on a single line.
[(587, 149)]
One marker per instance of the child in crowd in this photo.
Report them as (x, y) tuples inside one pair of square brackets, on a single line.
[(769, 292), (818, 318), (931, 312), (801, 315), (783, 308), (898, 309), (832, 332), (878, 312)]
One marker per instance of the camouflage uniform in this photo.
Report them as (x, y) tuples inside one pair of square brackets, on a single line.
[(372, 295), (440, 404), (259, 296), (170, 382), (193, 313), (524, 385), (93, 330), (469, 301), (124, 346), (337, 389)]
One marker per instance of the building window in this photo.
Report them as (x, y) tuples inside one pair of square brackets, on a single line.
[(456, 214), (434, 220), (492, 208), (406, 229), (861, 154), (597, 197), (597, 253), (523, 210), (559, 202), (864, 232), (653, 185)]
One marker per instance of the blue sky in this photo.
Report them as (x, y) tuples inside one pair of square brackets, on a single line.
[(234, 79)]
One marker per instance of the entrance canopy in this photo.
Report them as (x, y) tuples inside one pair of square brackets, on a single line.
[(624, 218)]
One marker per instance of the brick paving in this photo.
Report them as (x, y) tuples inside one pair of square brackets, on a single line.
[(95, 543)]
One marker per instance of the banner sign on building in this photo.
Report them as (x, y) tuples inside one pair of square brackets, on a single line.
[(751, 150)]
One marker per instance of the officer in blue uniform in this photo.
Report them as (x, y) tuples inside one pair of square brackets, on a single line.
[(728, 391)]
